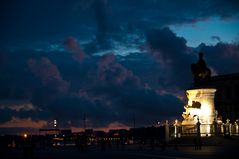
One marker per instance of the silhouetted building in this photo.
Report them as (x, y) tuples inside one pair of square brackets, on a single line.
[(227, 95), (66, 131)]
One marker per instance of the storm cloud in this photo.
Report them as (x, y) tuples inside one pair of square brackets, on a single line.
[(223, 57), (104, 60), (100, 20), (173, 55)]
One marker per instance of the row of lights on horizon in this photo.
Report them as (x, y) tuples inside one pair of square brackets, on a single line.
[(25, 135)]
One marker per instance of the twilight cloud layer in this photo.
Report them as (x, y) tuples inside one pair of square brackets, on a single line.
[(104, 60)]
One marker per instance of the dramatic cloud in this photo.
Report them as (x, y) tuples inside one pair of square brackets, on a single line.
[(112, 72), (23, 123), (173, 55), (223, 57), (48, 73), (120, 59), (128, 95), (72, 45), (100, 21), (101, 8), (16, 105), (175, 58), (18, 108)]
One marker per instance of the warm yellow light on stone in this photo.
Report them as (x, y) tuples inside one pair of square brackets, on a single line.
[(200, 105)]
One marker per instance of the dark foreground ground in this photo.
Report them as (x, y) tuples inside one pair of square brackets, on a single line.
[(130, 152)]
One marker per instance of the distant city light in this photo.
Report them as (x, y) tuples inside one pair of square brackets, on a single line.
[(55, 123), (25, 135)]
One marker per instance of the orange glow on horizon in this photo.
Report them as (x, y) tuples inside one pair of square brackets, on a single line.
[(113, 125), (23, 123), (29, 123)]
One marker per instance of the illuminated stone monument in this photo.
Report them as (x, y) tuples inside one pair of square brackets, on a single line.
[(200, 106)]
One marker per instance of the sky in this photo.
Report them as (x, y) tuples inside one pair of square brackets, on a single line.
[(107, 61)]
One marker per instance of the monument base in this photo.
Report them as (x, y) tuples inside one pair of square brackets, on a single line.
[(200, 108)]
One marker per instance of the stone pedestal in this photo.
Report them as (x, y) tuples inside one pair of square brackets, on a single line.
[(200, 105)]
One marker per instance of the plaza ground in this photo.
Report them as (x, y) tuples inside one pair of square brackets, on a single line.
[(130, 152)]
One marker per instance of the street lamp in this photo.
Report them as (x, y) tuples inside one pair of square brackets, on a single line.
[(175, 128), (55, 123), (25, 135)]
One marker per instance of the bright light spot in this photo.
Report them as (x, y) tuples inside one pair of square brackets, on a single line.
[(55, 123), (200, 105), (25, 135)]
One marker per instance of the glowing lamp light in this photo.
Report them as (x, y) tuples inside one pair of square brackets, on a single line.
[(25, 135), (55, 123)]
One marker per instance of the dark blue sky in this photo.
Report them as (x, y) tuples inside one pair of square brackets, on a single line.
[(108, 59)]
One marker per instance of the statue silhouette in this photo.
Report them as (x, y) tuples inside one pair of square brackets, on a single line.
[(201, 73)]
